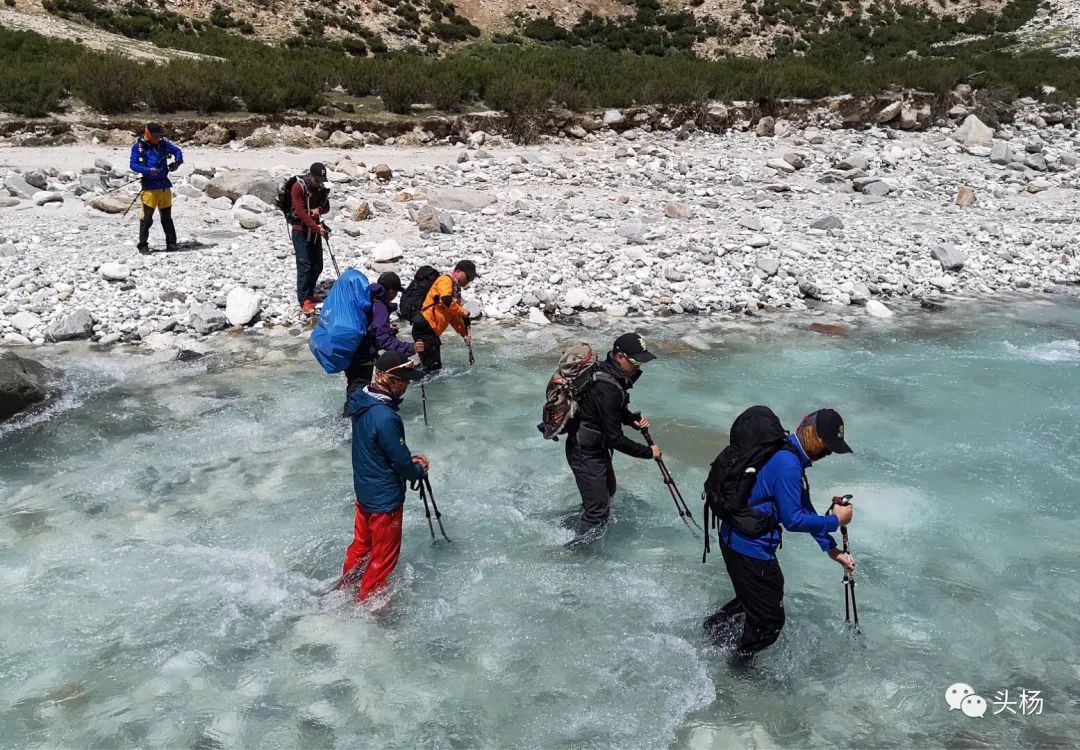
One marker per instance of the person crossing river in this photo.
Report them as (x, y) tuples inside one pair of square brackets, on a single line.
[(598, 431), (440, 309), (381, 335), (780, 497)]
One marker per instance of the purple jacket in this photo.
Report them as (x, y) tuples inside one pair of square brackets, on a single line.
[(380, 335)]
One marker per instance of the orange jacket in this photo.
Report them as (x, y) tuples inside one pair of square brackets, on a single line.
[(442, 306)]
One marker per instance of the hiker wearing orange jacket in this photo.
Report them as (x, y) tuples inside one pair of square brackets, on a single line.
[(442, 309)]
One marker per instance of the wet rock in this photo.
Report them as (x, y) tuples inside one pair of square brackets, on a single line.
[(23, 383), (829, 329), (877, 309)]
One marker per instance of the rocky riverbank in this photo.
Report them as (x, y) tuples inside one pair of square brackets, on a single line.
[(777, 216)]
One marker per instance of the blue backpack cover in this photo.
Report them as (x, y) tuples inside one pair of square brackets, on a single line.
[(343, 322)]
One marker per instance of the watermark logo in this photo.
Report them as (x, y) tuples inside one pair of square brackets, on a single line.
[(962, 697)]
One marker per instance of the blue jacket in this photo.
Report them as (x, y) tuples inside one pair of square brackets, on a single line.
[(380, 334), (780, 492), (146, 158), (381, 460)]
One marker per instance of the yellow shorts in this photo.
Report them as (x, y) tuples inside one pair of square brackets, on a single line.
[(157, 198)]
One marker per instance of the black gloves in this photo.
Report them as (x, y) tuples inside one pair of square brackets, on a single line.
[(175, 166)]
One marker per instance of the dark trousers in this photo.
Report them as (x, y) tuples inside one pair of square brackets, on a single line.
[(594, 475), (431, 357), (357, 375), (309, 262), (147, 220), (759, 594)]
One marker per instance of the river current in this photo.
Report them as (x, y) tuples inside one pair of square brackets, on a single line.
[(168, 531)]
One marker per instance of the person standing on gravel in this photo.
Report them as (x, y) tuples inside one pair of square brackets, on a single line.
[(381, 463), (309, 201), (598, 432), (150, 159)]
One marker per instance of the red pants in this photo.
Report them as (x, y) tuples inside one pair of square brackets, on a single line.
[(377, 534)]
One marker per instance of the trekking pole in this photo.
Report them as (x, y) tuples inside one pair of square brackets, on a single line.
[(326, 239), (124, 185), (423, 486), (851, 609), (423, 402), (130, 205), (468, 328), (669, 481)]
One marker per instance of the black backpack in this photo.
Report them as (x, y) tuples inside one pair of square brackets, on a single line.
[(756, 436), (412, 299), (284, 198)]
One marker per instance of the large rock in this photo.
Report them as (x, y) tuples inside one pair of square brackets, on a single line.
[(949, 256), (459, 199), (430, 220), (111, 204), (974, 132), (877, 309), (240, 182), (1001, 153), (387, 251), (576, 297), (207, 319), (613, 117), (23, 382), (383, 173), (77, 325), (241, 306), (114, 271), (678, 211), (18, 187), (25, 322), (45, 197), (213, 135)]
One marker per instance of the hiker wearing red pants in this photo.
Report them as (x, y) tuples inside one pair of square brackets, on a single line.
[(381, 465)]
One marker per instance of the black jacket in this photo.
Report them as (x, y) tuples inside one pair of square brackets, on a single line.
[(605, 409)]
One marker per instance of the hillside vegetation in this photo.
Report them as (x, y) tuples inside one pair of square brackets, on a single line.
[(595, 62)]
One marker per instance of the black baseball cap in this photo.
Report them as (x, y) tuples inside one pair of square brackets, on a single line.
[(390, 280), (468, 268), (633, 346), (830, 428), (398, 365), (154, 128), (318, 171)]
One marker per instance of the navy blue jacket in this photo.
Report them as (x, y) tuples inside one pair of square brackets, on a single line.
[(780, 492), (380, 334), (381, 461), (146, 158)]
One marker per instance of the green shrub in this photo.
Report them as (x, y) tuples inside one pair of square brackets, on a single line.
[(400, 85), (107, 83)]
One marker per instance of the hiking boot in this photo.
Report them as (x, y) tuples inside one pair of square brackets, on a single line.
[(143, 249), (308, 306), (172, 248)]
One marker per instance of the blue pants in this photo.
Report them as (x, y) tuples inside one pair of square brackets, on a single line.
[(309, 262)]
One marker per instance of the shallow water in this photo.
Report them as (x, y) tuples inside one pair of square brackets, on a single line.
[(167, 531)]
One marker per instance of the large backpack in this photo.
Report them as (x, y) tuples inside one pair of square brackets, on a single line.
[(284, 198), (576, 371), (756, 435), (412, 299), (343, 322)]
